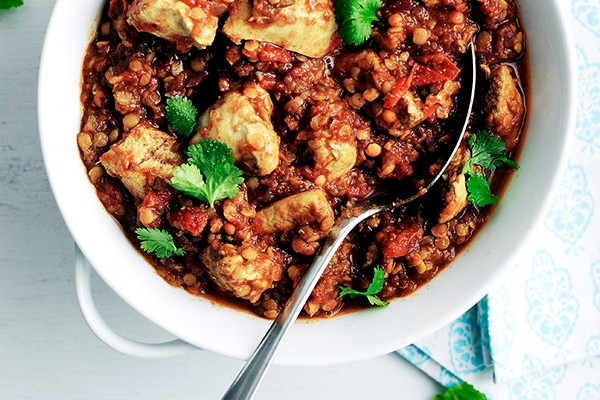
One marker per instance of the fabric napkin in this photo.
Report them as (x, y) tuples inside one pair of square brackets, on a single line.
[(538, 335)]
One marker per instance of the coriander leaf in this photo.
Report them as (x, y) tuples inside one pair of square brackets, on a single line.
[(5, 4), (374, 301), (207, 154), (487, 151), (377, 282), (374, 287), (158, 241), (479, 190), (505, 160), (210, 173), (354, 19), (189, 180), (224, 182), (462, 391), (181, 114)]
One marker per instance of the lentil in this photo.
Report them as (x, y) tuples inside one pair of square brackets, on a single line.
[(420, 36)]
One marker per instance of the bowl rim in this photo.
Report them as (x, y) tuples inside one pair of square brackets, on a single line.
[(297, 358)]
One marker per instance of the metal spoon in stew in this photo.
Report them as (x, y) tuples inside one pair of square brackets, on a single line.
[(245, 385)]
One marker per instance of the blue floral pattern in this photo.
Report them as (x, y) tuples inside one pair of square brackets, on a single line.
[(596, 282), (589, 392), (588, 111), (593, 347), (553, 309), (414, 355), (465, 344), (587, 12), (572, 208), (448, 379), (538, 385), (501, 327)]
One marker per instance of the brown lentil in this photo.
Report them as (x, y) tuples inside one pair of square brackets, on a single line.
[(395, 19), (388, 116), (229, 228), (420, 36), (95, 173), (130, 120), (373, 150)]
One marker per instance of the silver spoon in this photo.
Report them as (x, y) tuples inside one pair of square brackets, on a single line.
[(245, 385)]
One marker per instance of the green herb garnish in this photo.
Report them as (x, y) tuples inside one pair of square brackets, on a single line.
[(374, 288), (5, 4), (354, 19), (480, 192), (210, 173), (182, 115), (488, 152), (462, 391), (158, 241)]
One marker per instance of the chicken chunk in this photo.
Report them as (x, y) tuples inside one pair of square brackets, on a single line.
[(176, 21), (244, 270), (333, 157), (331, 138), (305, 26), (455, 199), (504, 106), (143, 155), (243, 122), (307, 208)]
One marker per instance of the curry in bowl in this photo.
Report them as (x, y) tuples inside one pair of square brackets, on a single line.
[(226, 137)]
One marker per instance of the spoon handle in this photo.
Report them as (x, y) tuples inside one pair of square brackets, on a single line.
[(245, 385)]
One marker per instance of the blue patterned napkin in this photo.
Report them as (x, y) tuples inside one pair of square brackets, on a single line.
[(538, 335)]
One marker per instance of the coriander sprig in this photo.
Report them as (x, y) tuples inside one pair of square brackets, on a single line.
[(487, 152), (462, 391), (354, 19), (210, 173), (6, 4), (181, 115), (158, 241), (374, 287)]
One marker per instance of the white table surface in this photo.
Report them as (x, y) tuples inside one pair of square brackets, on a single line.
[(46, 350)]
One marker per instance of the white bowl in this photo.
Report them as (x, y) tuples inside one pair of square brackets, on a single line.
[(349, 337)]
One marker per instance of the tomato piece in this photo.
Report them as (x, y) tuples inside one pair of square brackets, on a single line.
[(442, 70), (426, 76), (400, 88), (398, 241), (190, 219)]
